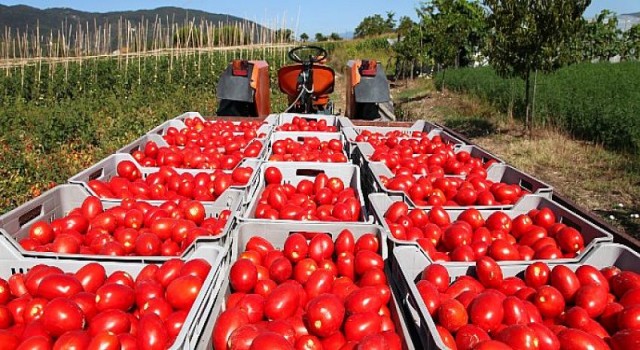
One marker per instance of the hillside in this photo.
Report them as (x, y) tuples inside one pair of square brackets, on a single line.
[(26, 18)]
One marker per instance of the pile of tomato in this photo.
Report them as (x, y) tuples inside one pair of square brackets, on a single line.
[(131, 228), (211, 134), (323, 199), (544, 308), (168, 184), (310, 150), (46, 308), (301, 124), (475, 189), (313, 294), (534, 235)]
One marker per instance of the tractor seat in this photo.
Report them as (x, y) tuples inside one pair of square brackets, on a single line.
[(323, 79)]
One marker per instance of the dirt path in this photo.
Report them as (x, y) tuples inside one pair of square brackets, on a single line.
[(598, 179)]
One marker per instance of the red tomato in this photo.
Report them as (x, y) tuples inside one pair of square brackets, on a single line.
[(113, 321), (270, 340), (452, 315), (73, 340), (115, 296), (61, 315), (227, 322), (243, 276), (537, 274), (54, 286), (152, 334), (549, 301), (486, 312), (565, 281), (91, 277), (626, 339), (325, 314), (430, 296), (438, 275), (358, 326), (469, 336), (519, 336), (272, 175), (183, 291), (488, 272), (282, 302), (575, 339)]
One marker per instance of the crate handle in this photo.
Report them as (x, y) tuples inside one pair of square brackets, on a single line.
[(412, 311), (309, 172), (526, 185), (30, 215), (96, 174)]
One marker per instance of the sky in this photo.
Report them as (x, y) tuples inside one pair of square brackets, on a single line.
[(300, 15)]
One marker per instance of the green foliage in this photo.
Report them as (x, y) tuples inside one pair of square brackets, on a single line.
[(304, 36), (320, 37), (335, 37), (632, 43), (596, 102), (455, 30), (284, 35), (375, 25), (600, 39)]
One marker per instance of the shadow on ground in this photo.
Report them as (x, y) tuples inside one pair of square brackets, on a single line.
[(471, 126)]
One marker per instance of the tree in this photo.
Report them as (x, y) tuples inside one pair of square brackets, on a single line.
[(335, 37), (632, 43), (531, 36), (390, 22), (405, 26), (304, 37), (455, 30), (320, 37), (409, 50), (372, 25)]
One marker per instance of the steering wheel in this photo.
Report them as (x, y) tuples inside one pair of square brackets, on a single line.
[(321, 54)]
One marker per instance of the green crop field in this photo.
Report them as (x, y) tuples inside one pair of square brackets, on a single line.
[(595, 102)]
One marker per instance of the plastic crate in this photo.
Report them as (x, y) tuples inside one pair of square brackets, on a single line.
[(196, 318), (60, 200), (411, 264), (276, 233), (300, 136), (502, 173), (179, 124), (592, 234), (433, 130), (140, 143), (188, 115), (294, 172), (107, 169)]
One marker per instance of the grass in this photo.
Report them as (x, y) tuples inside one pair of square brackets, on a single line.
[(604, 181)]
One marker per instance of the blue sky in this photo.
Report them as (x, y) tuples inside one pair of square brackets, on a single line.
[(300, 15)]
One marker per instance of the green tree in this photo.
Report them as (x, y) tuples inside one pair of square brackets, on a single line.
[(632, 43), (335, 37), (390, 22), (409, 49), (304, 37), (600, 38), (531, 36), (320, 37), (370, 26), (455, 29)]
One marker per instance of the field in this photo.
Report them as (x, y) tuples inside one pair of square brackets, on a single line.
[(593, 102), (58, 118)]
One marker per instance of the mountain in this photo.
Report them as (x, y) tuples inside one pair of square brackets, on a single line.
[(637, 14), (27, 18)]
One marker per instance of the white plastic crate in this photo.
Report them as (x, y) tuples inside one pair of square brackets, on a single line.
[(496, 173), (411, 264), (294, 172), (60, 200), (276, 233), (300, 136), (196, 318), (591, 234), (107, 169)]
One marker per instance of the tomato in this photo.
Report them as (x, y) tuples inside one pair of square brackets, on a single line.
[(492, 345), (282, 302), (321, 247), (152, 333), (115, 296), (147, 244), (499, 221), (396, 210), (56, 285), (570, 240), (437, 275), (626, 339), (61, 315), (39, 342), (270, 340), (452, 315), (438, 216), (358, 326), (544, 218), (243, 276), (629, 318), (73, 340), (469, 336), (272, 175), (33, 309), (430, 296), (549, 301), (318, 283), (183, 291), (515, 311), (537, 274), (591, 298), (519, 336), (366, 260), (296, 247), (227, 322), (565, 280), (114, 321), (42, 232), (325, 314), (589, 275), (8, 340), (446, 337), (575, 339), (547, 340), (486, 312), (91, 277), (488, 272)]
